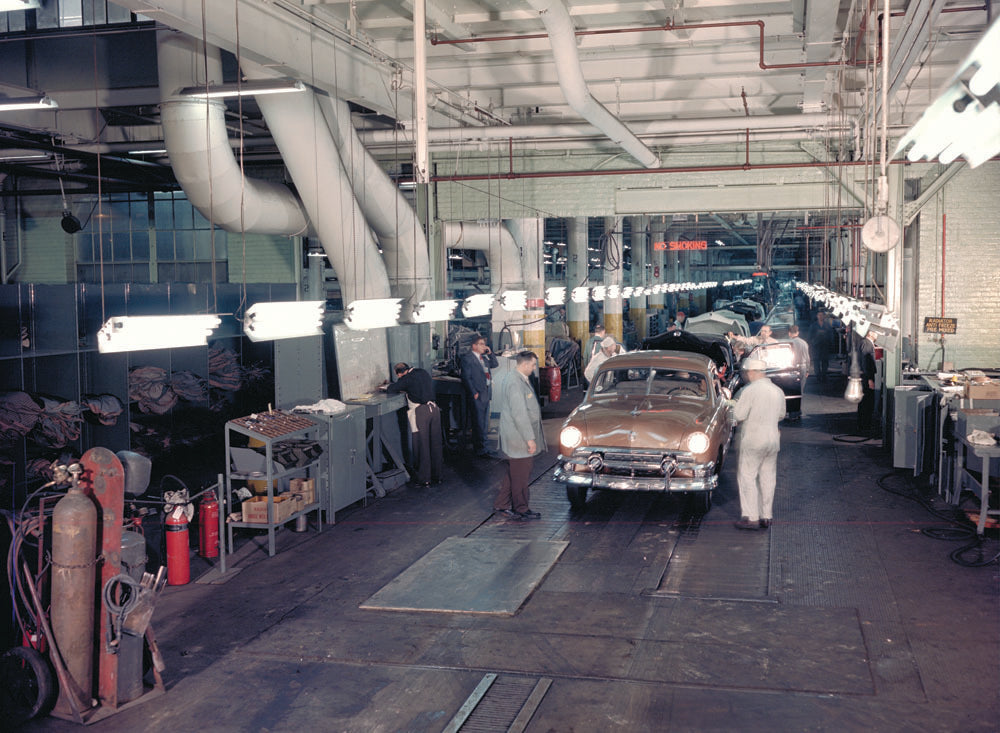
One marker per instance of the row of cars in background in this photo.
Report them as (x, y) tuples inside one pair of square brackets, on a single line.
[(659, 419)]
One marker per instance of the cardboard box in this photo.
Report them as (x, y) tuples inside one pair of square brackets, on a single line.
[(982, 390), (255, 509), (304, 487)]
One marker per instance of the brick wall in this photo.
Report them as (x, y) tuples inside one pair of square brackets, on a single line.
[(963, 221)]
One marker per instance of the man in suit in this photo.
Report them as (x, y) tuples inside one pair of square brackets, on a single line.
[(476, 365), (521, 437)]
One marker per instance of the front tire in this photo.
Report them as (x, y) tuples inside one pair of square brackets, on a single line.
[(701, 502), (577, 496)]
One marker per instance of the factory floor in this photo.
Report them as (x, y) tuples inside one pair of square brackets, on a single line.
[(844, 616)]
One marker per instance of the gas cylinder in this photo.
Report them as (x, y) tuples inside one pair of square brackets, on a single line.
[(178, 548), (208, 526), (74, 590)]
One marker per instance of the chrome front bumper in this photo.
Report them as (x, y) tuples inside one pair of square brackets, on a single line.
[(636, 471)]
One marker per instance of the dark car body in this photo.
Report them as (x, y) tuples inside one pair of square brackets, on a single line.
[(782, 368), (715, 347), (650, 421)]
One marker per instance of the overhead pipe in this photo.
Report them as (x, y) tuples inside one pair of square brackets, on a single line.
[(385, 208), (299, 129), (674, 169), (557, 22), (503, 255), (451, 135), (194, 134)]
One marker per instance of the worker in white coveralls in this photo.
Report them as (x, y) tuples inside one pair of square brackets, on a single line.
[(759, 409)]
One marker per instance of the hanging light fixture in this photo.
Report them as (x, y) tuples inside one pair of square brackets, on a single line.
[(580, 294), (141, 333), (555, 295), (430, 311), (854, 391), (282, 320), (597, 293), (362, 315), (514, 300), (246, 88), (480, 304), (10, 104)]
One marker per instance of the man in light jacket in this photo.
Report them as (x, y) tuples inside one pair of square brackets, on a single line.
[(521, 436)]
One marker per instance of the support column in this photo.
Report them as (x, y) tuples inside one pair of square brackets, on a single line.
[(577, 268), (657, 273), (894, 276), (613, 278), (639, 279), (529, 234)]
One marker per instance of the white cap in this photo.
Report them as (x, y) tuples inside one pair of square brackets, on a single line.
[(609, 342), (753, 365)]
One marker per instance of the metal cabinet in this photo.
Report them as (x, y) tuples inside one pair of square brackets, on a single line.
[(345, 482), (270, 428)]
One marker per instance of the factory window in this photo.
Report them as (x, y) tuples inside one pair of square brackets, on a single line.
[(39, 15), (157, 237)]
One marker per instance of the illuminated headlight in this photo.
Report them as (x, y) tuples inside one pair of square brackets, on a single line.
[(570, 437), (697, 442), (596, 462)]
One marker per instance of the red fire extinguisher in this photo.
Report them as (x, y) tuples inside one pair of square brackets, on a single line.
[(178, 547), (208, 526)]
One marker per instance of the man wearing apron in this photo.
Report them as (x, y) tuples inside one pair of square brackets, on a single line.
[(425, 421)]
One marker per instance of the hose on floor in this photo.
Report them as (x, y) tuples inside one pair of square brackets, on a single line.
[(971, 555)]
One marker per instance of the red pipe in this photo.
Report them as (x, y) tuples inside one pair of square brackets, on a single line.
[(944, 232), (834, 226), (435, 41)]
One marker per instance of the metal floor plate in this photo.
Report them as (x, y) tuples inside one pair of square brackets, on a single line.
[(715, 561), (471, 575)]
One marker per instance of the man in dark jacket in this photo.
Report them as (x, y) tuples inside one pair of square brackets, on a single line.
[(866, 359), (476, 365), (821, 339), (424, 418)]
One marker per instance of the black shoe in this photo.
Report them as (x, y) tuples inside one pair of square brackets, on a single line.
[(745, 523), (510, 514), (419, 484), (765, 523), (531, 515), (484, 454)]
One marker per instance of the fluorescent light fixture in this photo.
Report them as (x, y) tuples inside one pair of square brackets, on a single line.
[(965, 119), (613, 291), (8, 5), (628, 291), (15, 156), (8, 104), (141, 333), (283, 320), (514, 300), (480, 304), (362, 315), (597, 293), (430, 311), (555, 295), (580, 294), (720, 243), (154, 151), (248, 88)]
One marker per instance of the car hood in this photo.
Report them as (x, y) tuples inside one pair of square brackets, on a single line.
[(641, 422)]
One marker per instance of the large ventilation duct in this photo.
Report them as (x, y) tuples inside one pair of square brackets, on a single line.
[(201, 155), (298, 127), (388, 213), (502, 253), (562, 36)]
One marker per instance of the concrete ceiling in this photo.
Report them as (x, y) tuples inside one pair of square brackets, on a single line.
[(803, 67)]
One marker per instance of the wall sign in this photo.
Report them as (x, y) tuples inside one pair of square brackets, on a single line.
[(940, 325), (680, 245)]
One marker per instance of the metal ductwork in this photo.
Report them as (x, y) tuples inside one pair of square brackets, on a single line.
[(496, 242), (194, 132), (298, 127), (562, 36), (388, 213)]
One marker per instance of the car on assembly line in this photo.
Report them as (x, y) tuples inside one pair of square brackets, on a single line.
[(650, 421)]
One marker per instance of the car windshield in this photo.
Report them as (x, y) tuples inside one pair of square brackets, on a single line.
[(645, 381)]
